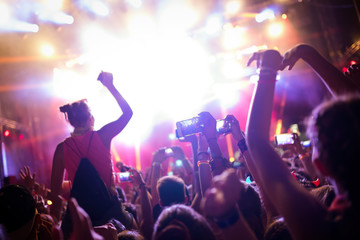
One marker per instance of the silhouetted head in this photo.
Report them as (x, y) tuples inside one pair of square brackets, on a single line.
[(17, 211), (334, 130), (78, 114), (180, 222), (171, 190)]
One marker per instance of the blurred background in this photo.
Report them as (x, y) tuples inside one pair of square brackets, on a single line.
[(171, 60)]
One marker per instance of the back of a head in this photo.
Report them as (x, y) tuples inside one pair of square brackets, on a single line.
[(277, 230), (183, 223), (171, 190), (325, 194), (251, 208), (78, 113), (334, 129), (130, 235), (17, 207)]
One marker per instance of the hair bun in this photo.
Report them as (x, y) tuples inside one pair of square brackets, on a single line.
[(65, 108)]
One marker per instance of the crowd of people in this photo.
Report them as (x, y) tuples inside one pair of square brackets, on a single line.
[(269, 192)]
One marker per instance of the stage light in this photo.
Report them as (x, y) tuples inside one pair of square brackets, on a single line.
[(5, 13), (265, 15), (47, 50), (135, 3), (284, 16), (97, 7), (233, 37), (100, 8), (275, 29), (18, 26), (178, 163), (176, 17), (213, 24), (6, 133), (352, 62), (232, 69), (57, 17), (172, 136), (254, 78), (232, 7)]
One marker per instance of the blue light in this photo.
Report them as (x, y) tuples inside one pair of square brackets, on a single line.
[(248, 180), (265, 15), (178, 163)]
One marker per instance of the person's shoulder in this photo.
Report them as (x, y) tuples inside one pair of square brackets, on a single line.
[(60, 145)]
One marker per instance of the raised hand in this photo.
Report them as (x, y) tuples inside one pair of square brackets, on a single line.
[(178, 153), (235, 127), (222, 198), (27, 178), (136, 177), (106, 79), (292, 55), (160, 155), (270, 59), (209, 122)]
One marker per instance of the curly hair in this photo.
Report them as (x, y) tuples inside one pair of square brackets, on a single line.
[(335, 132)]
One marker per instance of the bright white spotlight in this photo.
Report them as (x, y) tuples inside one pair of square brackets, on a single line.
[(97, 7), (232, 7), (19, 26), (233, 37), (135, 3), (265, 15), (231, 69), (47, 50), (275, 29), (53, 5), (100, 8), (214, 24), (254, 78), (227, 95), (57, 17), (5, 13), (176, 16)]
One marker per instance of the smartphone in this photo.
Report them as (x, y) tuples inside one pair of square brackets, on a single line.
[(188, 127), (284, 139), (124, 176), (223, 126)]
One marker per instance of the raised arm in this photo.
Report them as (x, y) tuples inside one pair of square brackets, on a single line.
[(209, 131), (220, 204), (336, 82), (158, 158), (57, 176), (239, 137), (112, 129), (147, 223), (303, 214)]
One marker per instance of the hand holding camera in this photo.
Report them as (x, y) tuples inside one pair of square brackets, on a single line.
[(136, 177), (204, 123), (234, 126)]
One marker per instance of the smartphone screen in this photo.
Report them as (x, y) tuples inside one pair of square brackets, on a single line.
[(188, 127), (223, 126), (124, 176), (284, 139)]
